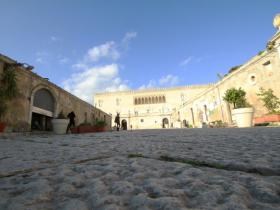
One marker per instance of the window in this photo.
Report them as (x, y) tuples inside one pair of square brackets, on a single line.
[(136, 113), (252, 79), (182, 97), (142, 120)]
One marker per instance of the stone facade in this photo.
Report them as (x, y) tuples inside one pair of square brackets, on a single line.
[(262, 71), (144, 109), (23, 109)]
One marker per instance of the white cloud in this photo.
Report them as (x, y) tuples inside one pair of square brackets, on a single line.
[(39, 60), (127, 38), (42, 57), (186, 61), (63, 60), (107, 50), (169, 80), (151, 84), (91, 77), (95, 79), (165, 81), (54, 38)]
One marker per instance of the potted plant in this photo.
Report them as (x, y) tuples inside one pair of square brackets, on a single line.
[(60, 123), (8, 90), (272, 104), (242, 112), (85, 128), (100, 126)]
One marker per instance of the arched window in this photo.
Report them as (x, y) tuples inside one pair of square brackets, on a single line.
[(150, 100), (156, 100), (163, 99), (146, 100), (135, 101), (43, 99), (153, 100), (143, 101)]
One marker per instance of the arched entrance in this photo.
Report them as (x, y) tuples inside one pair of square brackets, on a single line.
[(124, 125), (185, 124), (165, 123), (43, 108)]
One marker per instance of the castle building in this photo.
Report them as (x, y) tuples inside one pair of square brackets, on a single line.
[(197, 105), (144, 109)]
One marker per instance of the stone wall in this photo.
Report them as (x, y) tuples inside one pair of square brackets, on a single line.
[(260, 71), (20, 109)]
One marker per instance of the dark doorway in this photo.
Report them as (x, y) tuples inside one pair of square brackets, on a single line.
[(41, 122), (165, 123), (185, 123), (124, 125)]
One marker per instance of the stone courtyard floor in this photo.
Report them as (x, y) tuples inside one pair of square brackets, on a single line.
[(146, 169)]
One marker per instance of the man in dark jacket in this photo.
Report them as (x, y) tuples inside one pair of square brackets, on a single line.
[(117, 121), (71, 117)]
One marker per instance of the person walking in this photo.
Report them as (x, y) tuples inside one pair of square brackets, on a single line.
[(117, 121), (71, 117)]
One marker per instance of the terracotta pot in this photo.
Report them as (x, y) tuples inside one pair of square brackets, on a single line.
[(99, 129), (74, 130), (267, 118), (86, 129), (2, 127)]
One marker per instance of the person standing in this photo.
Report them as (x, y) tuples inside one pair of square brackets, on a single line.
[(71, 117), (117, 121)]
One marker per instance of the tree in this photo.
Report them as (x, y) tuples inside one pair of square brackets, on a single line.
[(236, 97), (271, 102)]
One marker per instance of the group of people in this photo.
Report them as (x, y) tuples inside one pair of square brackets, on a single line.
[(72, 116)]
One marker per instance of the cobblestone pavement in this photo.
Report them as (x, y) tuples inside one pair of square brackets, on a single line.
[(145, 169)]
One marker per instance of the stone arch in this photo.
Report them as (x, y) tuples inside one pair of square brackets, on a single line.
[(156, 100), (163, 99), (160, 99), (153, 100), (124, 124), (185, 124), (150, 100), (43, 107), (165, 123), (143, 101), (146, 100), (135, 101)]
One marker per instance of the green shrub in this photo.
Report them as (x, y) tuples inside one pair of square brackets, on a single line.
[(236, 97), (271, 102), (8, 87), (100, 123), (61, 115)]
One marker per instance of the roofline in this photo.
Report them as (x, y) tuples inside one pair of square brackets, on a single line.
[(155, 89)]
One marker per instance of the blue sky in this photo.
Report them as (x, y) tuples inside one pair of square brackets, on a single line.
[(88, 46)]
